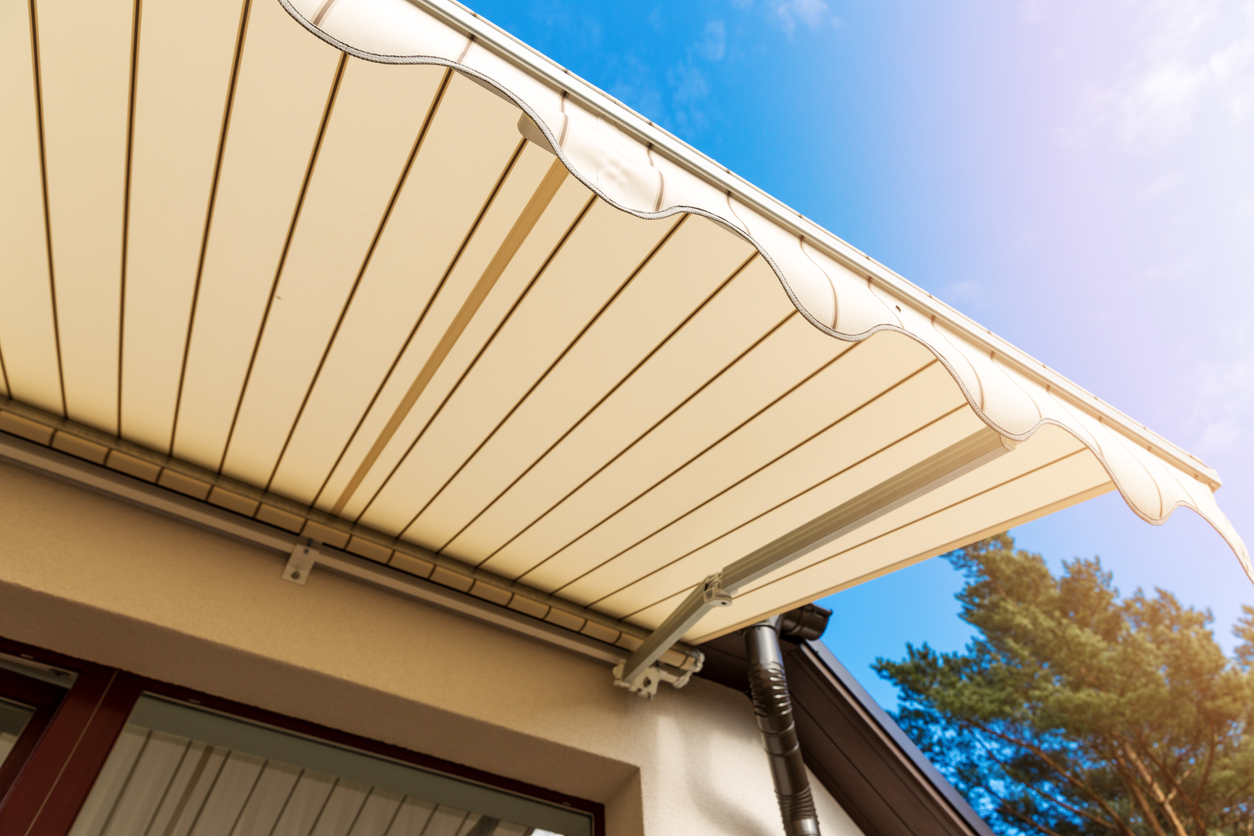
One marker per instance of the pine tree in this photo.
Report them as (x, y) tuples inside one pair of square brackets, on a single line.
[(1076, 711)]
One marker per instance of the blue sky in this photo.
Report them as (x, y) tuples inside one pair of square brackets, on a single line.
[(1078, 177)]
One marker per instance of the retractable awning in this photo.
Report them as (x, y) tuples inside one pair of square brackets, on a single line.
[(374, 272)]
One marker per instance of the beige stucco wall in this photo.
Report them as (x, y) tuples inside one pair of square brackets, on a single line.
[(94, 577)]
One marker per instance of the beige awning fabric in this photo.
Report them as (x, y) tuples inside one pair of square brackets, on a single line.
[(460, 299)]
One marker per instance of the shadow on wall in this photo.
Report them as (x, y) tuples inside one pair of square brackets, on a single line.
[(712, 788)]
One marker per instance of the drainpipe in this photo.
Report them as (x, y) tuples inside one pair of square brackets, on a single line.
[(773, 707)]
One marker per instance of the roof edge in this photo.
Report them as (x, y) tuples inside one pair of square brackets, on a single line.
[(821, 656)]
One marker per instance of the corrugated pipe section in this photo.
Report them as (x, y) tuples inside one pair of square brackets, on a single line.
[(773, 706)]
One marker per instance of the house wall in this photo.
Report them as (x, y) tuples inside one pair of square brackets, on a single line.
[(91, 576)]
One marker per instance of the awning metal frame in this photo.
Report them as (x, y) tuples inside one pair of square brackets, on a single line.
[(638, 672)]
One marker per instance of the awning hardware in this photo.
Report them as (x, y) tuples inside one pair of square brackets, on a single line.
[(639, 674), (712, 593), (645, 684), (301, 562), (307, 554)]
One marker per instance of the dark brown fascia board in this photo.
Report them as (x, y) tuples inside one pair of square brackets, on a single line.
[(859, 754), (879, 720)]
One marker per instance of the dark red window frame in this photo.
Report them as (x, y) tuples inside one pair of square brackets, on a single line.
[(44, 698), (53, 776)]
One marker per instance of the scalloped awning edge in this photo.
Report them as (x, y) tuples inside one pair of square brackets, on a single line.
[(639, 168)]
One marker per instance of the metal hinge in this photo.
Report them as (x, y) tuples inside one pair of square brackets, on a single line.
[(712, 592)]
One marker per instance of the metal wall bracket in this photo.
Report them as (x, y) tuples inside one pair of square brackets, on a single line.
[(301, 562), (644, 685), (646, 682)]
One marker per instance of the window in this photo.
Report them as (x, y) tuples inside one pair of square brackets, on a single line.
[(102, 752), (182, 769), (13, 719), (29, 695)]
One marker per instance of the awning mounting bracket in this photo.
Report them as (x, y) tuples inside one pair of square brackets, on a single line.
[(646, 682), (301, 562)]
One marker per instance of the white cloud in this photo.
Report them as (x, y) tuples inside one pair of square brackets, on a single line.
[(1188, 54), (678, 95), (1233, 71), (687, 83), (810, 13), (787, 14), (713, 44), (638, 86), (1222, 392), (1158, 106), (1225, 406)]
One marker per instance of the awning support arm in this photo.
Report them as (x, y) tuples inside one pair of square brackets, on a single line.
[(639, 674)]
